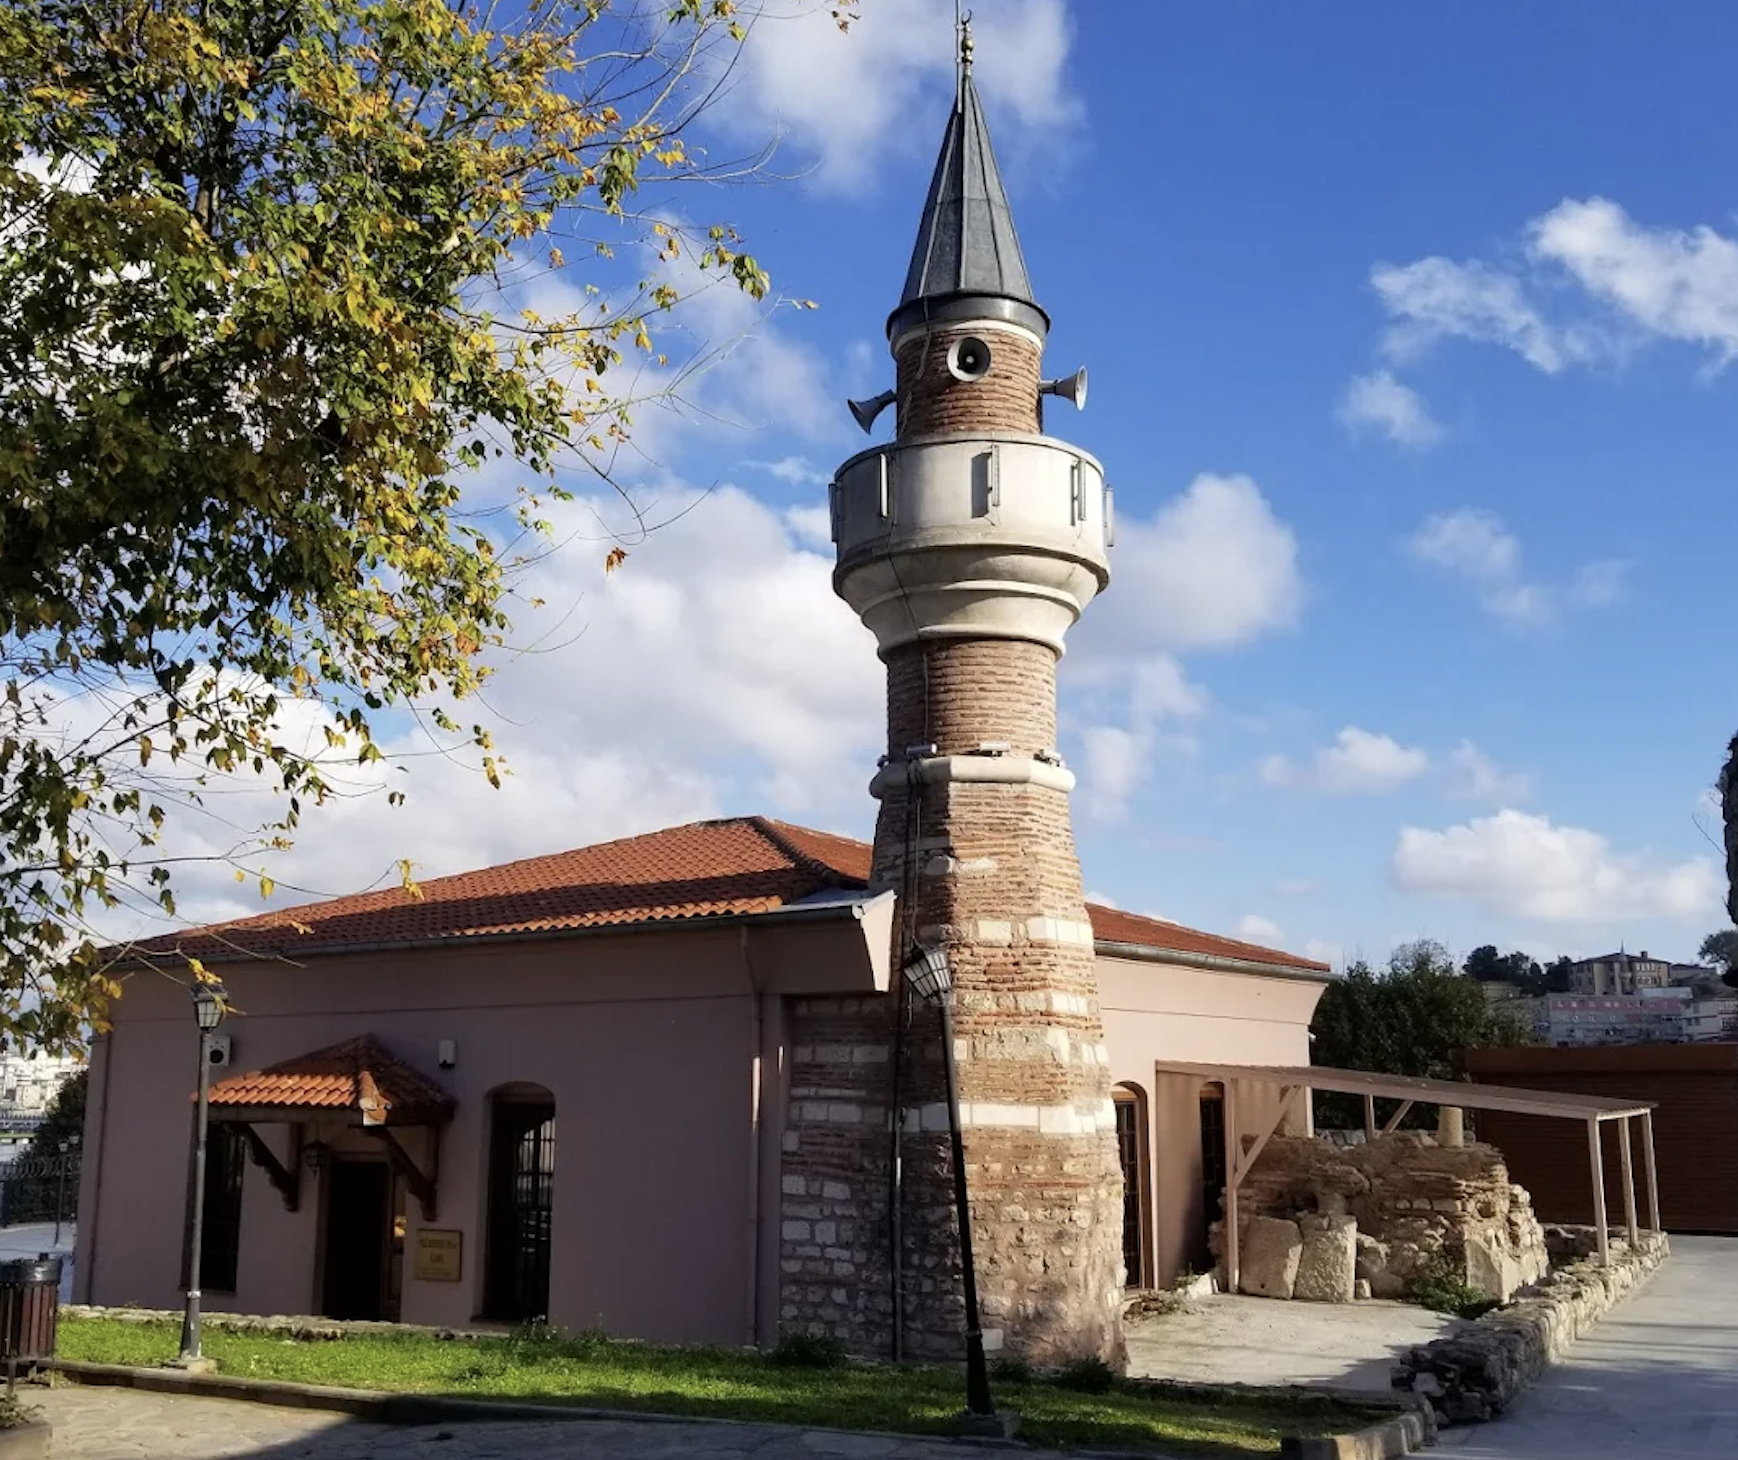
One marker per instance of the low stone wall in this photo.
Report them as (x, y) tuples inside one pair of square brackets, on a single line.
[(300, 1327), (1477, 1373)]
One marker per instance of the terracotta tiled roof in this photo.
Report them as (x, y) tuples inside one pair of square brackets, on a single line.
[(705, 869), (1112, 925), (358, 1076)]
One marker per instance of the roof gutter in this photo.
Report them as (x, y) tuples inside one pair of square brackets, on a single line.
[(796, 912), (1212, 962)]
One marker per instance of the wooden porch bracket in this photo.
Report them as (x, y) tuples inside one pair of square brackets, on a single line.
[(285, 1180), (1238, 1164), (422, 1183), (1393, 1122)]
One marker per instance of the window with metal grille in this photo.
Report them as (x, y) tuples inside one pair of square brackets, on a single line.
[(521, 1208), (1212, 1159), (220, 1237), (1131, 1144)]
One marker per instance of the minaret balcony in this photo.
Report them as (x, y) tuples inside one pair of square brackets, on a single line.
[(980, 536)]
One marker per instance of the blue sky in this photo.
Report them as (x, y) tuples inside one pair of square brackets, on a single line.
[(1409, 330)]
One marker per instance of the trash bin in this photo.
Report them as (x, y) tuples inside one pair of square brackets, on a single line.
[(29, 1312)]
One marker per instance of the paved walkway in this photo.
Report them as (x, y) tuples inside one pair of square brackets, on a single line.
[(1657, 1380), (1230, 1338), (125, 1424)]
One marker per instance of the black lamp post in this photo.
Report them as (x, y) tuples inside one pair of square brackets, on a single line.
[(64, 1147), (932, 980), (208, 1008)]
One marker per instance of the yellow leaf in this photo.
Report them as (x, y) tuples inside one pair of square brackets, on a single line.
[(616, 557)]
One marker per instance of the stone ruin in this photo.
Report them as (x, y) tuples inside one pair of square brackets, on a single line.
[(1329, 1224)]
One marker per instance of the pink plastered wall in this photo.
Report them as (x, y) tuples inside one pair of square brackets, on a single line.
[(1165, 1012), (648, 1044)]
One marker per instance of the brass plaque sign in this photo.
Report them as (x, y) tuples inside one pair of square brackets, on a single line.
[(439, 1254)]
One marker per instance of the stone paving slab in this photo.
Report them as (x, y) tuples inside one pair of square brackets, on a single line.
[(127, 1424)]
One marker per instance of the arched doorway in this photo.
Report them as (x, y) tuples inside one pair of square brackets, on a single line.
[(521, 1201), (1132, 1150)]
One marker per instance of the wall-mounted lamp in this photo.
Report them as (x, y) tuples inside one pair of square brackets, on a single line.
[(314, 1155)]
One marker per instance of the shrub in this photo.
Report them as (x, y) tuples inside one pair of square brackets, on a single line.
[(808, 1351), (1088, 1376), (1010, 1369), (1440, 1286), (13, 1412)]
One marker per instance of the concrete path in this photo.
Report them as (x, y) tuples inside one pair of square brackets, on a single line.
[(1657, 1380), (1229, 1338), (126, 1424)]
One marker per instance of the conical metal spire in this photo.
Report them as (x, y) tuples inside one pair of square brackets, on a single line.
[(967, 261)]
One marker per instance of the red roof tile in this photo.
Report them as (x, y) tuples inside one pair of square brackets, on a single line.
[(358, 1076), (1112, 925), (705, 869)]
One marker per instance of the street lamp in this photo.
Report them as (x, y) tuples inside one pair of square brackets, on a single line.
[(208, 1009), (932, 981), (64, 1147)]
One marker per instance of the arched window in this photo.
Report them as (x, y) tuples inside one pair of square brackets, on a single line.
[(1132, 1149), (521, 1201)]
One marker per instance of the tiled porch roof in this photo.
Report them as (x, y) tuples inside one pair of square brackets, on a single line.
[(358, 1077)]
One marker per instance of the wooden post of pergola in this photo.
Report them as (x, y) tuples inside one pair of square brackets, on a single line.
[(1653, 1175), (1596, 1159), (1628, 1163)]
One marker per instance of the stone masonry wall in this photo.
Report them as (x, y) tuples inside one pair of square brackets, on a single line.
[(1411, 1200), (833, 1227)]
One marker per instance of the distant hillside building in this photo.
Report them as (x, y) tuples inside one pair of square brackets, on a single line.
[(30, 1081), (1648, 1016), (1620, 973)]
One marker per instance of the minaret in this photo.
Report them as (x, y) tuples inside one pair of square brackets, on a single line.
[(970, 545)]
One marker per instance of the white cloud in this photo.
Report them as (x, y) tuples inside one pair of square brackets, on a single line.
[(1253, 928), (1610, 281), (1518, 865), (1470, 542), (849, 100), (1435, 298), (1101, 899), (1480, 778), (1474, 545), (714, 672), (1155, 697), (1378, 402), (796, 471), (1678, 284), (1359, 762), (1600, 583), (1214, 568), (1322, 951)]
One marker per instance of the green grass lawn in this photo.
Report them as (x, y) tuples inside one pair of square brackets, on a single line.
[(722, 1383)]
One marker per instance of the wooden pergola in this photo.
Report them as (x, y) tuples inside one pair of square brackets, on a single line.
[(1296, 1082)]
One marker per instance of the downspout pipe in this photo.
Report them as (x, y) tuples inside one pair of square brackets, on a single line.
[(757, 1088)]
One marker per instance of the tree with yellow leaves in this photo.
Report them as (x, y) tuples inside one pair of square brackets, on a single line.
[(253, 257)]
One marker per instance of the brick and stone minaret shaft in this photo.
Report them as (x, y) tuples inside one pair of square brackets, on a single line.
[(970, 545)]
